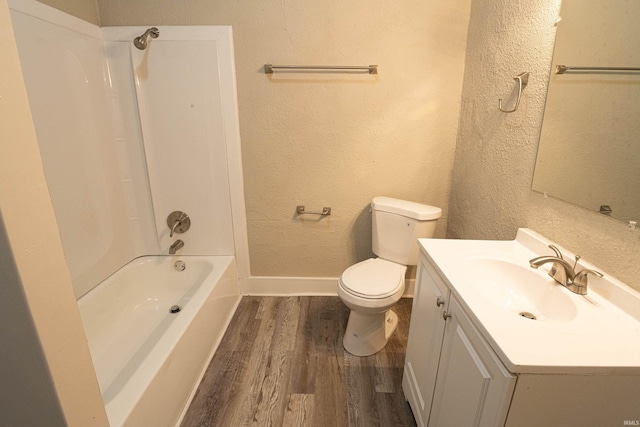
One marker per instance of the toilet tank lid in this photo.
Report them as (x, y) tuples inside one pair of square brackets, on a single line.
[(413, 210)]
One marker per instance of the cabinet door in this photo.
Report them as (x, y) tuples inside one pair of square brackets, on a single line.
[(425, 340), (473, 388)]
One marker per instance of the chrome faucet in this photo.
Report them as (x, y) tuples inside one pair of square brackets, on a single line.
[(564, 273), (178, 244), (561, 271)]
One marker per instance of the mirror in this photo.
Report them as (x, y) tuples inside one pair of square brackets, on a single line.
[(589, 151)]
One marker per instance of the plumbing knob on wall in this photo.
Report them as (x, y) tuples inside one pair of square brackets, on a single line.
[(178, 222)]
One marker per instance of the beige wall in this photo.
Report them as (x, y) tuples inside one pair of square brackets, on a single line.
[(45, 366), (495, 152), (333, 139), (325, 142), (83, 9)]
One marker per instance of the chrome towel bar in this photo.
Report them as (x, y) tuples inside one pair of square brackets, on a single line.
[(561, 69), (300, 211), (372, 69)]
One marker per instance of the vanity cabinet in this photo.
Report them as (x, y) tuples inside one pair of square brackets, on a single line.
[(451, 376), (472, 387), (472, 361), (424, 343)]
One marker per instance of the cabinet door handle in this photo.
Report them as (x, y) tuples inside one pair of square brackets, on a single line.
[(439, 301), (445, 315)]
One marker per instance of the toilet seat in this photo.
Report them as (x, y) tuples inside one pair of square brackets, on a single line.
[(374, 278)]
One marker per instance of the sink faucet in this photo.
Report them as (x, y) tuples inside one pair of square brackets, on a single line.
[(178, 244), (561, 271), (564, 273)]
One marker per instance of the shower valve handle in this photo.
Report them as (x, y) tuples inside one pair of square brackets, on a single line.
[(178, 222)]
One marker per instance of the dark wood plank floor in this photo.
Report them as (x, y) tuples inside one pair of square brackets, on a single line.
[(281, 363)]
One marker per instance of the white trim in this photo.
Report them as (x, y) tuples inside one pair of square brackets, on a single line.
[(170, 32), (300, 286), (54, 16), (289, 286), (409, 288), (229, 95)]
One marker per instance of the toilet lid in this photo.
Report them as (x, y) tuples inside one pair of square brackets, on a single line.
[(373, 278)]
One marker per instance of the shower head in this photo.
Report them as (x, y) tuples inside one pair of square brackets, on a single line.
[(141, 41)]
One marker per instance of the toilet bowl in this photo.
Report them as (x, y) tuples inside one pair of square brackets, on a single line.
[(372, 287)]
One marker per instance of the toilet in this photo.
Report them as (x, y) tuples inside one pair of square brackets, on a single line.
[(372, 287)]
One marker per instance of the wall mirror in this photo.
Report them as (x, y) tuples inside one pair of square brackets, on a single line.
[(589, 150)]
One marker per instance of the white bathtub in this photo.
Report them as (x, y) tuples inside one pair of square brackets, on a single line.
[(149, 361)]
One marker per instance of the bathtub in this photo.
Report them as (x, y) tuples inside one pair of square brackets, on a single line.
[(148, 360)]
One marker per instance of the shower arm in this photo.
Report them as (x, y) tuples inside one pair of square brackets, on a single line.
[(153, 32)]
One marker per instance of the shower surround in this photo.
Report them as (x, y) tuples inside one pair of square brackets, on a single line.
[(128, 136)]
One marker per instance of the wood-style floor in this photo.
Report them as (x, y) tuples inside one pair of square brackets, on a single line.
[(281, 363)]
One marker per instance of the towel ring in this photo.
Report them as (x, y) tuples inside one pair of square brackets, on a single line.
[(522, 79)]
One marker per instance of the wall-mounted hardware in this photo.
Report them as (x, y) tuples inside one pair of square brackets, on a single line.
[(300, 211), (371, 69), (178, 222), (178, 244), (561, 69), (606, 210), (142, 41), (523, 80)]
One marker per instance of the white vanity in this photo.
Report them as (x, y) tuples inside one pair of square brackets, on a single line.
[(494, 342)]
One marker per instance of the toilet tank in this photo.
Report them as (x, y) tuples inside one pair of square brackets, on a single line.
[(397, 225)]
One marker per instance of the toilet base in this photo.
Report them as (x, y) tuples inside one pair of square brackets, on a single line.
[(368, 333)]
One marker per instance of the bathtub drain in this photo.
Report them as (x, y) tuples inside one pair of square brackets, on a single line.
[(175, 309)]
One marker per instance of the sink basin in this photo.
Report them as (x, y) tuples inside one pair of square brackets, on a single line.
[(596, 333), (521, 290)]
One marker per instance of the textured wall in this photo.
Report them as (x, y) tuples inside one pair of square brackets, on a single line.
[(495, 152), (332, 139), (83, 9)]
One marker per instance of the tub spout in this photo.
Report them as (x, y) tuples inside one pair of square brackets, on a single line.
[(178, 244)]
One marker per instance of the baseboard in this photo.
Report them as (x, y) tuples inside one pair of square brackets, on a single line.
[(289, 286), (298, 286), (409, 288)]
